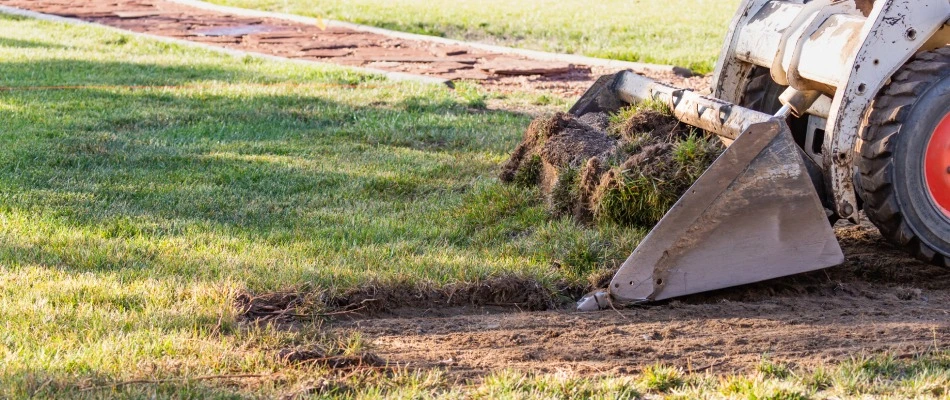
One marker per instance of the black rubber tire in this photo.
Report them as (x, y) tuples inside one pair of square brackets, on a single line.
[(891, 148), (761, 93)]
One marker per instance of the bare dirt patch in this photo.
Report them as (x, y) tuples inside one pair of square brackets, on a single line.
[(879, 301)]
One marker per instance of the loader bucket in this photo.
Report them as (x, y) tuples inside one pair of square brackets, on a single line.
[(752, 216)]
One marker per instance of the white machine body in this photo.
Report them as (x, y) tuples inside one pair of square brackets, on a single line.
[(835, 47)]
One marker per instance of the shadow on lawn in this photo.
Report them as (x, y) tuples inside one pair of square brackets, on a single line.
[(302, 169), (70, 72), (28, 44)]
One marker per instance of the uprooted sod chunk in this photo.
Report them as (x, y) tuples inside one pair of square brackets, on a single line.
[(627, 168)]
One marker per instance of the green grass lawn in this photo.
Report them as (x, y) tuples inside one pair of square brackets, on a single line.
[(143, 186), (686, 33), (134, 207)]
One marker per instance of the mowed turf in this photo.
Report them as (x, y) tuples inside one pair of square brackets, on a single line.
[(686, 33), (144, 185)]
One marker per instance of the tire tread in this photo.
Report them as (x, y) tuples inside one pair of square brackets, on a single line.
[(877, 139)]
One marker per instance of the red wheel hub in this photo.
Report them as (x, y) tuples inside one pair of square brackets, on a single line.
[(937, 166)]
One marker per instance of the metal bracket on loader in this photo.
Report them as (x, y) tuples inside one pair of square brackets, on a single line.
[(753, 215)]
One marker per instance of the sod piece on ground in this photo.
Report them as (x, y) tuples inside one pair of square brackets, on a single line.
[(628, 168)]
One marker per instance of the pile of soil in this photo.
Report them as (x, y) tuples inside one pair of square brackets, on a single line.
[(627, 168)]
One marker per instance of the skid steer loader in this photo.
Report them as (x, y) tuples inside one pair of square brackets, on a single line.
[(828, 107)]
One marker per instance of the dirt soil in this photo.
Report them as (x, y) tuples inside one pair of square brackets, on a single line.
[(494, 71), (878, 301)]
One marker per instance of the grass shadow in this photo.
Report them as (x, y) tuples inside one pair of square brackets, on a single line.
[(70, 72), (299, 178), (28, 44)]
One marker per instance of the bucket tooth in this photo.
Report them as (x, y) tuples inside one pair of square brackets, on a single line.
[(753, 215)]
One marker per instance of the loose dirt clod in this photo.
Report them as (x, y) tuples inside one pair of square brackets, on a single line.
[(289, 306), (335, 361), (279, 307), (628, 168), (522, 293)]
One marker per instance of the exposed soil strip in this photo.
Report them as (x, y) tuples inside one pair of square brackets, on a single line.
[(337, 45), (371, 299), (879, 301)]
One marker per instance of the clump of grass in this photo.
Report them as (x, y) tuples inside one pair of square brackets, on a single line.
[(118, 41), (761, 388), (695, 153), (641, 190), (621, 120), (863, 374), (544, 100), (736, 385), (662, 159), (819, 379), (631, 199), (781, 394), (564, 194), (622, 115), (879, 365), (661, 107), (530, 172), (649, 160), (631, 146), (661, 379), (772, 369), (513, 384), (471, 94)]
